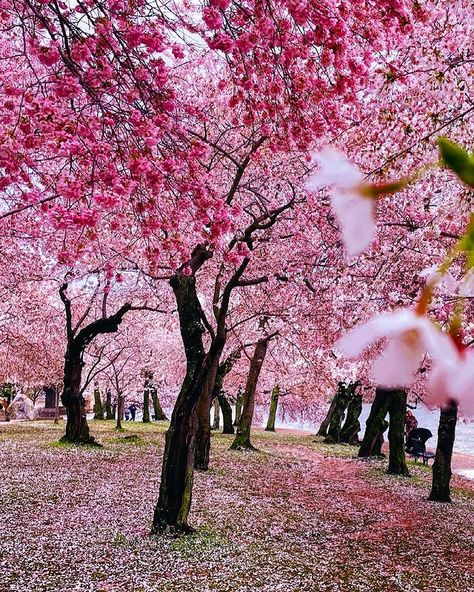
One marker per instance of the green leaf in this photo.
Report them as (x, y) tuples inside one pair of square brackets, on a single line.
[(458, 160)]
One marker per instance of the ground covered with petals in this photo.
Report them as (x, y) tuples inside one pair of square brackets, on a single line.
[(296, 516)]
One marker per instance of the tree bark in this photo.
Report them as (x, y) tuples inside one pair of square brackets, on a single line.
[(323, 428), (98, 407), (226, 409), (120, 411), (350, 430), (215, 378), (343, 397), (238, 407), (273, 409), (396, 433), (77, 430), (160, 415), (242, 438), (109, 412), (203, 434), (146, 404), (375, 423), (174, 501), (440, 488), (217, 415)]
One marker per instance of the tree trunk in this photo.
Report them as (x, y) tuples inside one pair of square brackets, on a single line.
[(77, 430), (214, 379), (375, 423), (217, 415), (440, 490), (109, 412), (174, 499), (343, 397), (396, 433), (203, 434), (157, 409), (273, 409), (146, 405), (323, 428), (351, 428), (49, 397), (56, 405), (120, 411), (98, 407), (238, 407), (226, 414), (242, 438)]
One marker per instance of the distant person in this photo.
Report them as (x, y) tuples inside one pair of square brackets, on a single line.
[(133, 411), (127, 414), (410, 422)]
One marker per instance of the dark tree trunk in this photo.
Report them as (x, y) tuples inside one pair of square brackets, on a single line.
[(440, 488), (323, 428), (77, 430), (217, 415), (351, 428), (120, 411), (50, 397), (242, 438), (343, 397), (146, 405), (226, 415), (215, 378), (203, 434), (238, 407), (98, 407), (160, 415), (273, 409), (109, 412), (375, 423), (174, 499), (396, 433)]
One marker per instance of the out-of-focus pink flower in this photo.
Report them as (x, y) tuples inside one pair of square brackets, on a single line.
[(454, 379), (443, 279), (410, 336), (353, 208)]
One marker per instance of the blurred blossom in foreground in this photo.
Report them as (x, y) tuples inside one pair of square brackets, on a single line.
[(351, 201)]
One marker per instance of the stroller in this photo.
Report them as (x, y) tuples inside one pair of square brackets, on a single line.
[(416, 444)]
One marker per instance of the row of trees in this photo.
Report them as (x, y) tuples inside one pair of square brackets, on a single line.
[(152, 177)]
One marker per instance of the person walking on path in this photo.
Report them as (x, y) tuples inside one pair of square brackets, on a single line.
[(133, 410)]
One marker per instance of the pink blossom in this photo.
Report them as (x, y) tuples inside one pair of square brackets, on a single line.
[(212, 17), (409, 335), (222, 4), (441, 278), (352, 207)]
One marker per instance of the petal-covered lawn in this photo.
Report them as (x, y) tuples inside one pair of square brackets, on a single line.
[(297, 516)]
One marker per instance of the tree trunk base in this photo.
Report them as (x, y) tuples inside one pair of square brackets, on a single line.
[(177, 529), (400, 471), (270, 430), (242, 447), (81, 441), (445, 499)]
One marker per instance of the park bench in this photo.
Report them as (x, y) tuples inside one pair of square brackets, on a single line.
[(425, 456)]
